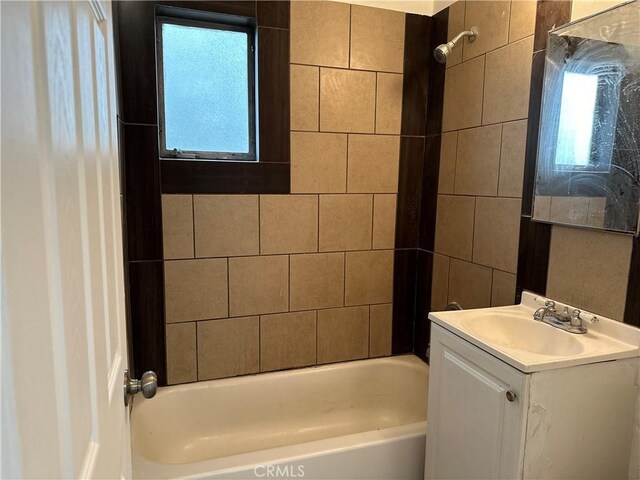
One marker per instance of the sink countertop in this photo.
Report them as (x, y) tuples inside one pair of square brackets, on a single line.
[(511, 334)]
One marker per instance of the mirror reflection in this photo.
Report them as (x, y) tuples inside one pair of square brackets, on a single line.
[(588, 170)]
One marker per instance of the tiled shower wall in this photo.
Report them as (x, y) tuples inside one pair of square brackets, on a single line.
[(484, 125), (266, 282)]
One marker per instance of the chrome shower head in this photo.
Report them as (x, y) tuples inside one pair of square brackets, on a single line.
[(442, 52)]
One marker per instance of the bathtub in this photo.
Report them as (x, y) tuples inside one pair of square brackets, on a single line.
[(356, 420)]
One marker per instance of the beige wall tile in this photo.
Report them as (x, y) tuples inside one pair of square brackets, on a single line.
[(597, 210), (497, 230), (447, 171), (454, 226), (440, 282), (478, 161), (343, 334), (384, 221), (287, 340), (195, 289), (369, 277), (181, 353), (507, 79), (492, 19), (288, 223), (177, 226), (571, 210), (258, 285), (469, 284), (463, 86), (373, 164), (377, 39), (347, 101), (317, 281), (541, 208), (305, 97), (226, 225), (318, 163), (345, 222), (389, 103), (589, 269), (456, 25), (227, 348), (585, 8), (380, 317), (503, 289), (320, 33), (523, 19), (514, 140)]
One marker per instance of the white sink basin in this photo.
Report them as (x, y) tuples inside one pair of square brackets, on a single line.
[(511, 334), (520, 333)]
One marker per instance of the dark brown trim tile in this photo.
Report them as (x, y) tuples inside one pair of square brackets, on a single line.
[(404, 298), (273, 13), (429, 202), (181, 176), (422, 324), (227, 7), (143, 214), (549, 15), (435, 93), (134, 24), (632, 306), (409, 191), (273, 88), (415, 82), (533, 124), (533, 256), (146, 299)]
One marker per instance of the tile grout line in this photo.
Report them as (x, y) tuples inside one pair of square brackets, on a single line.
[(500, 159), (193, 220), (353, 69), (197, 360)]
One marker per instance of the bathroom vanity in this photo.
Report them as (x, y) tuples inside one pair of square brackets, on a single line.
[(513, 397)]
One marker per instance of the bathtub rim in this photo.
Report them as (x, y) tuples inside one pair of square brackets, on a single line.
[(297, 453), (145, 468)]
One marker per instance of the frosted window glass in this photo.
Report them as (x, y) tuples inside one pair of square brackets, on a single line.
[(206, 102), (578, 105)]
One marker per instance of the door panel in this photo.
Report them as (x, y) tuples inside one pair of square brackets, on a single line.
[(63, 330), (473, 431)]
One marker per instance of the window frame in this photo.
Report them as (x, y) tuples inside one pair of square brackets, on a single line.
[(199, 155)]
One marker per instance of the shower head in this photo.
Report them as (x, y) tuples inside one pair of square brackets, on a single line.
[(442, 51)]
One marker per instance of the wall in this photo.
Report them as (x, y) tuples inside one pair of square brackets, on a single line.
[(589, 268), (265, 282), (483, 150), (486, 98)]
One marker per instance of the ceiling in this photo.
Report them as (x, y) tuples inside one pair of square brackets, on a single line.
[(422, 7)]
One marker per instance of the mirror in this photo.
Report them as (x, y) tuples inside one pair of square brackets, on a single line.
[(588, 164)]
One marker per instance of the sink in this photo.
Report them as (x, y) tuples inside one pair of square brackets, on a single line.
[(511, 334), (520, 333)]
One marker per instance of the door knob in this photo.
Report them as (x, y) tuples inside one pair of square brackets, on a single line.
[(511, 396), (148, 385)]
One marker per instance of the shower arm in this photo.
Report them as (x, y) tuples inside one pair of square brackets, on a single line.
[(472, 34)]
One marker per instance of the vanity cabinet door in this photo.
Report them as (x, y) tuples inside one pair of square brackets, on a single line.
[(476, 416)]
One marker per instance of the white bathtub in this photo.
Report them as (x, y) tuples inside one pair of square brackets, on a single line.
[(355, 420)]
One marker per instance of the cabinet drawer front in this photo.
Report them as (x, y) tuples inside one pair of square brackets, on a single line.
[(475, 428)]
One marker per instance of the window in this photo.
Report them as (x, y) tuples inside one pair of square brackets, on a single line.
[(206, 83), (577, 109)]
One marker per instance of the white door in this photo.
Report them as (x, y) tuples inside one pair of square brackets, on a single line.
[(474, 429), (63, 314)]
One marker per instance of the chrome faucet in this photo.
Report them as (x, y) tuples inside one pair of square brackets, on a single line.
[(569, 322)]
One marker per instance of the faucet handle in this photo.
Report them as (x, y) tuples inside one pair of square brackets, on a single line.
[(551, 305), (576, 319)]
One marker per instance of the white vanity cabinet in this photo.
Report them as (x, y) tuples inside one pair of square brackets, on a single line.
[(489, 420)]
